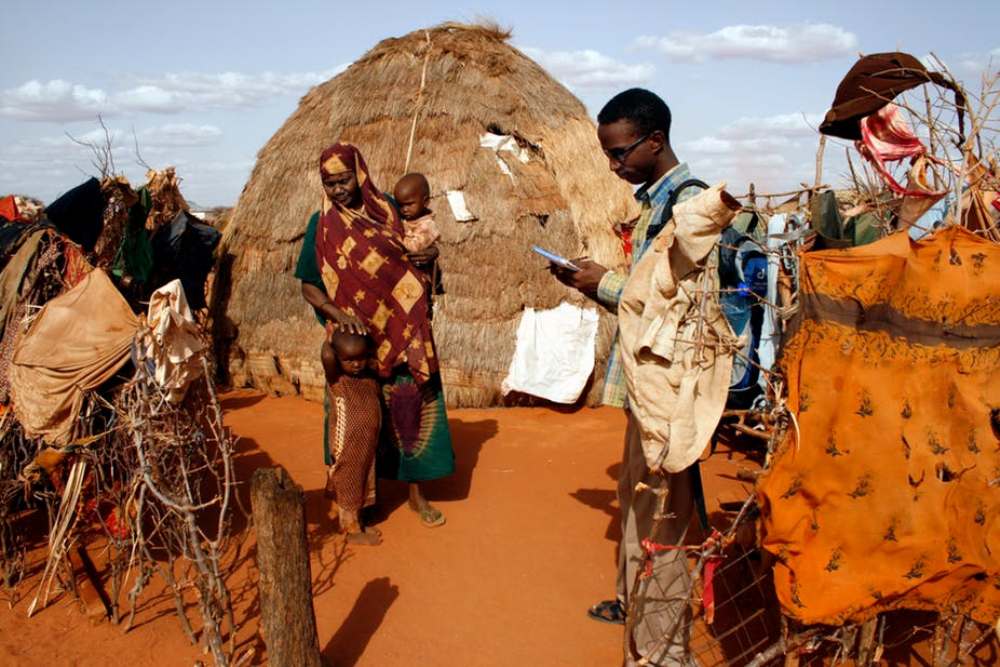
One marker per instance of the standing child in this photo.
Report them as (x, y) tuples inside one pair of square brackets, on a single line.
[(355, 419)]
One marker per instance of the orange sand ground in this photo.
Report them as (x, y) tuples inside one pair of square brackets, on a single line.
[(529, 545)]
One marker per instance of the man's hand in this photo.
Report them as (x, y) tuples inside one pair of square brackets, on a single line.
[(585, 280), (423, 259)]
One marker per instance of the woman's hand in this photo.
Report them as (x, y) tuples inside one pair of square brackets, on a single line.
[(347, 323), (423, 259), (341, 321)]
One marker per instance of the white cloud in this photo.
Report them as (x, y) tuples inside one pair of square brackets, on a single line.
[(164, 138), (64, 101), (56, 100), (148, 98), (589, 69), (713, 145), (757, 136), (773, 152), (811, 42), (979, 64), (185, 91), (971, 65), (47, 165), (791, 125), (968, 63), (179, 135)]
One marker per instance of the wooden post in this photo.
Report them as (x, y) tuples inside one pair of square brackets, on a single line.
[(288, 620), (95, 600), (819, 161), (866, 644)]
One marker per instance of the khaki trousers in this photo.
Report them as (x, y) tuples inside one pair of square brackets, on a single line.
[(662, 611)]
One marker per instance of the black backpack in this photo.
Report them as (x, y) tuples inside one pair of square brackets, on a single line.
[(668, 210)]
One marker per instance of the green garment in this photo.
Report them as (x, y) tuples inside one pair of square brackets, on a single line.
[(835, 232), (306, 268), (135, 254), (415, 443)]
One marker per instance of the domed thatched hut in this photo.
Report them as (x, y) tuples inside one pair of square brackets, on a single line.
[(485, 121)]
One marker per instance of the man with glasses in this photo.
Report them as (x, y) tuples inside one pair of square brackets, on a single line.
[(634, 131)]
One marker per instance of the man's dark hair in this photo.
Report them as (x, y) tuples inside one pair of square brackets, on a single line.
[(642, 108)]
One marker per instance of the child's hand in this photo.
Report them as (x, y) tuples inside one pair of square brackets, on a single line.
[(422, 259)]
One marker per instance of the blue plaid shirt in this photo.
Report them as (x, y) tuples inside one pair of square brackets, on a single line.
[(653, 199)]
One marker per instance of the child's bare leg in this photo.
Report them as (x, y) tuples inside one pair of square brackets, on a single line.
[(330, 491), (355, 532)]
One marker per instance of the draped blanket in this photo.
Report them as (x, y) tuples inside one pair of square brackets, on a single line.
[(890, 495), (366, 273)]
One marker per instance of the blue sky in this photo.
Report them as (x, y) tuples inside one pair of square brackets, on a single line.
[(204, 85)]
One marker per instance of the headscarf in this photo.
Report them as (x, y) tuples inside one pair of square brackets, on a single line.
[(366, 272), (887, 137)]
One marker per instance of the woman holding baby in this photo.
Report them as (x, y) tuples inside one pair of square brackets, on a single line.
[(364, 269)]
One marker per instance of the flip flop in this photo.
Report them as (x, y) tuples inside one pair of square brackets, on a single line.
[(430, 516), (608, 611)]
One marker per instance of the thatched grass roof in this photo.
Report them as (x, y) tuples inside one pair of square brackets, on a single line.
[(560, 195)]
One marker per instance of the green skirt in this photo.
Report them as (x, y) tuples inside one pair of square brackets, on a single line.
[(415, 443)]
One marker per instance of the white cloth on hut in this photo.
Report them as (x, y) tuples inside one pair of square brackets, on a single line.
[(173, 343), (459, 209), (506, 143), (677, 346), (75, 344), (554, 356)]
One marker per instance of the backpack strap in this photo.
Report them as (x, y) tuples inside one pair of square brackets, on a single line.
[(668, 210)]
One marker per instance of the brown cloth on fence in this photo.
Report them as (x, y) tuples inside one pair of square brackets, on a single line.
[(76, 343), (890, 496), (874, 81)]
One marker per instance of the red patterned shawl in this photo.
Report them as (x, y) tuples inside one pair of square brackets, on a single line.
[(363, 262)]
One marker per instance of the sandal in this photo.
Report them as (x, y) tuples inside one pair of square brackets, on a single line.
[(608, 611), (430, 516)]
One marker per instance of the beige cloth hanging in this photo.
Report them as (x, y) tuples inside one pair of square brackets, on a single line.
[(173, 342), (77, 342), (677, 347)]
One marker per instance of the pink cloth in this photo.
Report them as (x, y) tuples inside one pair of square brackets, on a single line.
[(421, 233), (887, 137)]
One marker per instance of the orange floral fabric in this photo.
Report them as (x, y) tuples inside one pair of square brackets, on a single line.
[(889, 496)]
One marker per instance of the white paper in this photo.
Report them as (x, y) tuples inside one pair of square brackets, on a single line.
[(456, 199), (554, 356), (504, 142)]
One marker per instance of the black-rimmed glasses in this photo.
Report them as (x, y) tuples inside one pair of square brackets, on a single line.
[(619, 154)]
